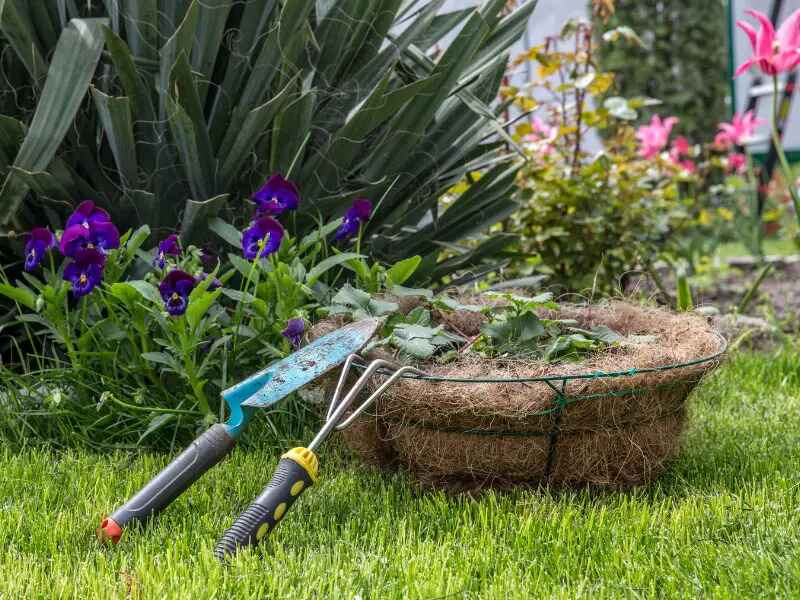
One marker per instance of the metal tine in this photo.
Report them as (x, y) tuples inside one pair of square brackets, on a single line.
[(335, 414), (340, 384), (364, 405)]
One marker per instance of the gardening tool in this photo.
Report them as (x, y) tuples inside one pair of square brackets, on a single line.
[(298, 468), (259, 391)]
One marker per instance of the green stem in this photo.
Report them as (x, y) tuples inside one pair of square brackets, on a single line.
[(191, 373), (757, 242), (237, 317), (776, 139), (156, 409), (66, 333)]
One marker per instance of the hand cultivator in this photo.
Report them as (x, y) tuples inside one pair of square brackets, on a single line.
[(297, 469)]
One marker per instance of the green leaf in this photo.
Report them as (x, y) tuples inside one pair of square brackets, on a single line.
[(19, 32), (451, 304), (196, 215), (620, 108), (136, 240), (403, 270), (238, 143), (245, 267), (405, 292), (156, 423), (521, 329), (584, 81), (227, 232), (161, 358), (116, 117), (74, 63), (329, 263), (625, 33), (198, 307), (606, 335), (126, 293), (361, 304), (421, 341), (684, 296), (20, 295), (147, 290)]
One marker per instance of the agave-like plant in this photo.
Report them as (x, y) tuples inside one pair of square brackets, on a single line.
[(169, 112)]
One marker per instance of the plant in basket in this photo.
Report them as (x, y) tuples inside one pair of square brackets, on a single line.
[(524, 390)]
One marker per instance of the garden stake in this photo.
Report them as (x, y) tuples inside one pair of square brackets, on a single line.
[(262, 390), (298, 468)]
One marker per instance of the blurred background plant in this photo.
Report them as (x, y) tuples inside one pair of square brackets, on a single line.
[(682, 59), (597, 209)]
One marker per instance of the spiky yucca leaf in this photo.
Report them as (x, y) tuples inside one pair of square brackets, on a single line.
[(168, 112)]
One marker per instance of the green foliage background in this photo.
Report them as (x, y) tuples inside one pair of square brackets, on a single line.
[(684, 62)]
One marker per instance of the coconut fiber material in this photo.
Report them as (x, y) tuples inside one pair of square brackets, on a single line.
[(600, 431)]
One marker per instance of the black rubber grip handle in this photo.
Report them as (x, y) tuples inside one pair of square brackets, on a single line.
[(297, 471), (205, 452)]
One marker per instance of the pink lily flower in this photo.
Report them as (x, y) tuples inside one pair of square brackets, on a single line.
[(738, 131), (654, 137), (773, 52)]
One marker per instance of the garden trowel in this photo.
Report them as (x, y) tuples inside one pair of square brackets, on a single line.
[(262, 390)]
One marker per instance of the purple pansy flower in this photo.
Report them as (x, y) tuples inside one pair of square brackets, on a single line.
[(100, 235), (86, 214), (214, 285), (294, 331), (262, 238), (276, 196), (85, 272), (41, 240), (171, 246), (175, 290), (357, 214)]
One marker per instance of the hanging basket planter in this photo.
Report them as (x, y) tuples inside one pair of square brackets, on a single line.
[(613, 420)]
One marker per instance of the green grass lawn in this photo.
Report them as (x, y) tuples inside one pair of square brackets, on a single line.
[(723, 522), (772, 247)]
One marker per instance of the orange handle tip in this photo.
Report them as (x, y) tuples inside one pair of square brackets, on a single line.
[(109, 531)]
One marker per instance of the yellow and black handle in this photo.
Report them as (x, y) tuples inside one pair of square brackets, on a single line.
[(297, 470)]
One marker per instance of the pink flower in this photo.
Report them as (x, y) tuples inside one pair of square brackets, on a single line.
[(773, 53), (542, 134), (737, 132), (737, 163), (681, 148), (654, 137)]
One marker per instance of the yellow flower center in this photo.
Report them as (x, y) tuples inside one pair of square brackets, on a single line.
[(175, 296), (90, 246), (83, 279)]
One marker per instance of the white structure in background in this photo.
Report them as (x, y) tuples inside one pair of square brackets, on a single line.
[(741, 50), (547, 19)]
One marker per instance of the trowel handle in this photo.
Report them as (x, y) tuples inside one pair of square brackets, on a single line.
[(205, 452), (297, 470)]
